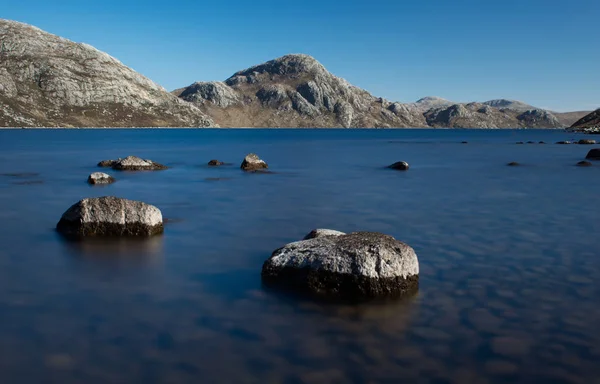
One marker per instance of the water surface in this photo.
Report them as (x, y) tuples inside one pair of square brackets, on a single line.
[(509, 259)]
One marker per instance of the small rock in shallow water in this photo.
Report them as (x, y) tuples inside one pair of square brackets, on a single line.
[(584, 163), (253, 163), (356, 266), (100, 178), (513, 164), (593, 154), (132, 163), (215, 163), (519, 142), (400, 166), (563, 142), (542, 142), (586, 141), (110, 216)]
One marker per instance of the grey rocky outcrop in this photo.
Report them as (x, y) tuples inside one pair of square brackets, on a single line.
[(253, 163), (400, 166), (593, 154), (216, 92), (100, 178), (132, 163), (356, 266), (110, 216), (49, 81)]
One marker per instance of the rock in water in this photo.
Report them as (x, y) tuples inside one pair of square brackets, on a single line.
[(513, 164), (586, 141), (315, 233), (111, 216), (400, 166), (593, 154), (253, 163), (107, 163), (49, 81), (584, 164), (356, 266), (215, 163), (100, 178), (563, 142), (132, 163)]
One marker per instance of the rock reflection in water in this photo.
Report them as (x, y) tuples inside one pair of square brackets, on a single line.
[(116, 252)]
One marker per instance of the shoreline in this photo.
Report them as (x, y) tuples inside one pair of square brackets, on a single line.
[(288, 128)]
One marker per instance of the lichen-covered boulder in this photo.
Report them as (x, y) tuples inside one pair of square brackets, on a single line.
[(593, 154), (100, 178), (253, 163), (132, 163), (322, 232), (110, 216), (356, 266), (400, 166)]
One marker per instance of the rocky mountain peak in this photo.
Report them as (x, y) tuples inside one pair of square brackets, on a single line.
[(46, 80)]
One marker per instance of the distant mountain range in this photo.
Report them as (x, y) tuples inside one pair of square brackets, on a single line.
[(48, 81)]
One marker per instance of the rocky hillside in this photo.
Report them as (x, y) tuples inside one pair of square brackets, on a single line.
[(297, 91), (591, 120), (48, 81)]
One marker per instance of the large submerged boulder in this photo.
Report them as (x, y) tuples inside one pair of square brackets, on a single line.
[(132, 163), (355, 266), (253, 163), (110, 216)]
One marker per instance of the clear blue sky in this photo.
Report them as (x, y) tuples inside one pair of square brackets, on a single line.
[(544, 52)]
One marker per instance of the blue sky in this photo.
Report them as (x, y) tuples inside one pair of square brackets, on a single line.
[(544, 52)]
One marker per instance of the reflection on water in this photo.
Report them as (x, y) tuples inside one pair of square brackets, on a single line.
[(116, 252)]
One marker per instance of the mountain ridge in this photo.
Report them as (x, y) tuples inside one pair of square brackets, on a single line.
[(49, 81)]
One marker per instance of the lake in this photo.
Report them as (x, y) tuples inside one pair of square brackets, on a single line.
[(509, 258)]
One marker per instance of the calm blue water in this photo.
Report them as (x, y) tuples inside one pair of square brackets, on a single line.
[(509, 259)]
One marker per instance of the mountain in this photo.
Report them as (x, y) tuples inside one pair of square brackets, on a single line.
[(48, 81), (480, 115), (431, 102), (591, 120), (297, 91), (509, 104)]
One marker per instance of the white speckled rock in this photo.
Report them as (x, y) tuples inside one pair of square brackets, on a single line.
[(111, 216), (132, 163), (358, 265), (315, 233), (253, 163), (100, 178)]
